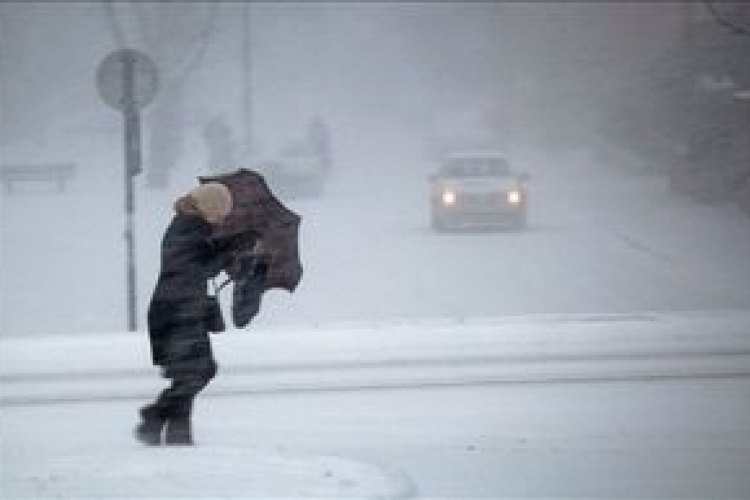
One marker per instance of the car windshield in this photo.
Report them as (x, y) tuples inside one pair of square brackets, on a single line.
[(477, 167)]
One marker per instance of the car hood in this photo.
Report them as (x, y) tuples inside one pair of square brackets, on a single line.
[(480, 184)]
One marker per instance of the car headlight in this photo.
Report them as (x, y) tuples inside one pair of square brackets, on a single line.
[(514, 197), (449, 198)]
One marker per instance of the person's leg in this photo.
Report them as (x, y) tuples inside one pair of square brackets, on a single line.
[(180, 397), (173, 409), (160, 324), (179, 416), (173, 404), (148, 431)]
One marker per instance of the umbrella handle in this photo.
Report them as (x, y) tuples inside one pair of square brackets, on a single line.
[(226, 282)]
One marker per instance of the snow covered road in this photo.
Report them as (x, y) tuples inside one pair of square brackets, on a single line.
[(403, 354), (659, 409), (599, 241)]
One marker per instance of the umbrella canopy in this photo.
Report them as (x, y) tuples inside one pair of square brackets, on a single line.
[(258, 215)]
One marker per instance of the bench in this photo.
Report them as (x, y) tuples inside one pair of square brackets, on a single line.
[(59, 173)]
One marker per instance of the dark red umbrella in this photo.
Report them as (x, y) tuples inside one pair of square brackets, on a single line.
[(258, 215)]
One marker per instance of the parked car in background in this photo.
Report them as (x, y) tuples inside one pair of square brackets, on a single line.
[(477, 190), (297, 173)]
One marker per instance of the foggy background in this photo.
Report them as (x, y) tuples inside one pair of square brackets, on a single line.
[(565, 89), (508, 66)]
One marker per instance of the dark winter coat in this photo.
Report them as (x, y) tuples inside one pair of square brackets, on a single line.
[(176, 317)]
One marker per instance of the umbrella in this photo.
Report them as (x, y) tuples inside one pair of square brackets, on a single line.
[(258, 215)]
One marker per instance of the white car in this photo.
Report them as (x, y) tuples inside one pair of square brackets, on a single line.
[(477, 190)]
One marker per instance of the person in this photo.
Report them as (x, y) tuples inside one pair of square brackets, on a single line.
[(177, 327)]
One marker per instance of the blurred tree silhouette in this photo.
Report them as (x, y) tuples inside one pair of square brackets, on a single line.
[(686, 115)]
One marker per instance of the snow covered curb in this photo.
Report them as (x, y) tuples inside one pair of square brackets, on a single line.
[(395, 354)]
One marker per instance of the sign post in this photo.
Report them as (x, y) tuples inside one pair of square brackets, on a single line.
[(127, 81)]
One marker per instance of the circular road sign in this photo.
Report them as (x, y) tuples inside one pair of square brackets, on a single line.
[(112, 73)]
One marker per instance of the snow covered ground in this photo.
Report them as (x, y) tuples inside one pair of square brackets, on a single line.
[(289, 415), (540, 349)]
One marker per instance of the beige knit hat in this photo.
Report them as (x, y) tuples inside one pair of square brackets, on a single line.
[(213, 199)]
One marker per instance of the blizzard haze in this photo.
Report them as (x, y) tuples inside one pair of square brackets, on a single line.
[(396, 84), (601, 352)]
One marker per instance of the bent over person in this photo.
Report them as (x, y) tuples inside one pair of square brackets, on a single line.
[(177, 326)]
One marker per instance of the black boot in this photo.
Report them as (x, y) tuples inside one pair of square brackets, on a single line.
[(148, 431), (179, 431)]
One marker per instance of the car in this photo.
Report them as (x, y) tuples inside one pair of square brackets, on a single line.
[(297, 173), (477, 190)]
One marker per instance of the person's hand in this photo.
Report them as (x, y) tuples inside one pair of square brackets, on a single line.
[(242, 263)]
